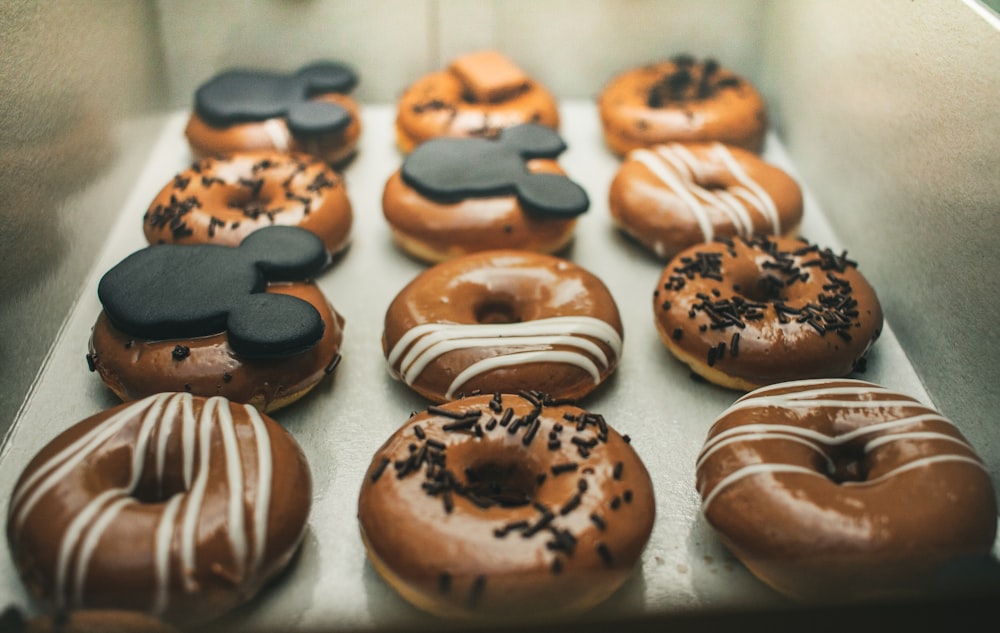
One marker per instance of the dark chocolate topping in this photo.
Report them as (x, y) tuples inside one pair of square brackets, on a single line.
[(172, 291), (242, 96), (453, 169)]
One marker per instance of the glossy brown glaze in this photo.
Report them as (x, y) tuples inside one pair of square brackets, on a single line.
[(173, 505), (437, 231), (221, 200), (670, 197), (335, 148), (744, 314), (681, 100), (505, 506), (840, 489), (478, 95), (207, 366), (503, 321)]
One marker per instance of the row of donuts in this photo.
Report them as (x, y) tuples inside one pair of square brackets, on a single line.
[(592, 523)]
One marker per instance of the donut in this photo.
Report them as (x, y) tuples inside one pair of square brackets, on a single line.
[(843, 489), (505, 505), (683, 100), (454, 196), (747, 313), (503, 321), (308, 111), (223, 199), (174, 505), (673, 196), (246, 323), (478, 94), (85, 621)]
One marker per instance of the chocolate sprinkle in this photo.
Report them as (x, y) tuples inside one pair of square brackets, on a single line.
[(605, 554), (558, 469), (180, 352), (380, 469), (444, 582)]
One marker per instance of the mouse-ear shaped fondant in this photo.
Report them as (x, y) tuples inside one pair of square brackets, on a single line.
[(317, 117), (326, 77), (285, 253), (533, 141), (239, 96), (272, 326), (552, 195)]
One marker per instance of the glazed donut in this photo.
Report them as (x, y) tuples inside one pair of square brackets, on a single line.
[(174, 505), (478, 95), (223, 199), (842, 489), (454, 196), (213, 320), (85, 621), (747, 313), (503, 320), (308, 112), (673, 196), (681, 100), (505, 505)]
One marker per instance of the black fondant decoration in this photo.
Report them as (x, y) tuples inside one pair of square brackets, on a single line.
[(243, 96), (175, 291), (452, 169)]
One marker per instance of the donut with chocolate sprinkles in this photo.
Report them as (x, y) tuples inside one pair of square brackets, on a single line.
[(492, 524), (682, 99), (745, 313)]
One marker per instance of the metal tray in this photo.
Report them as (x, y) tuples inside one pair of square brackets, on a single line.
[(340, 425)]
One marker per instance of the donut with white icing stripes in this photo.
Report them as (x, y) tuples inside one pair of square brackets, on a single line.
[(175, 505), (843, 489), (503, 321), (672, 196)]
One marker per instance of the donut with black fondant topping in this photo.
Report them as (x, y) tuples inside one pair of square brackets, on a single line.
[(479, 94), (454, 196), (308, 111), (685, 100), (222, 199), (246, 323), (748, 313), (505, 505)]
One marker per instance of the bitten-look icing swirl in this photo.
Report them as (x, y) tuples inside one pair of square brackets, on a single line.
[(673, 196), (843, 488), (505, 505), (503, 320), (176, 505)]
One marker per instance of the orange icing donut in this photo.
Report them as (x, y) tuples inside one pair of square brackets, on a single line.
[(505, 505), (503, 321), (178, 506), (223, 199), (681, 100), (843, 489), (743, 314), (673, 196), (478, 95)]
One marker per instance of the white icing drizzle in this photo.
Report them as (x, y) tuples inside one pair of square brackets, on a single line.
[(680, 170), (814, 394), (278, 134), (423, 344), (82, 535)]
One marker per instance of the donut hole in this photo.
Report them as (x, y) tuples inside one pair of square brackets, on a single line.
[(764, 288), (849, 464), (151, 491), (497, 310), (508, 483)]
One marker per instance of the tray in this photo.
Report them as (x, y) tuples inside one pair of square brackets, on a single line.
[(342, 423)]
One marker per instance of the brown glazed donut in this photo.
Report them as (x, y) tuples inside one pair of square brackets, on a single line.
[(681, 100), (307, 112), (842, 489), (503, 320), (505, 506), (134, 368), (84, 621), (479, 94), (174, 505), (223, 199), (670, 197), (748, 313)]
